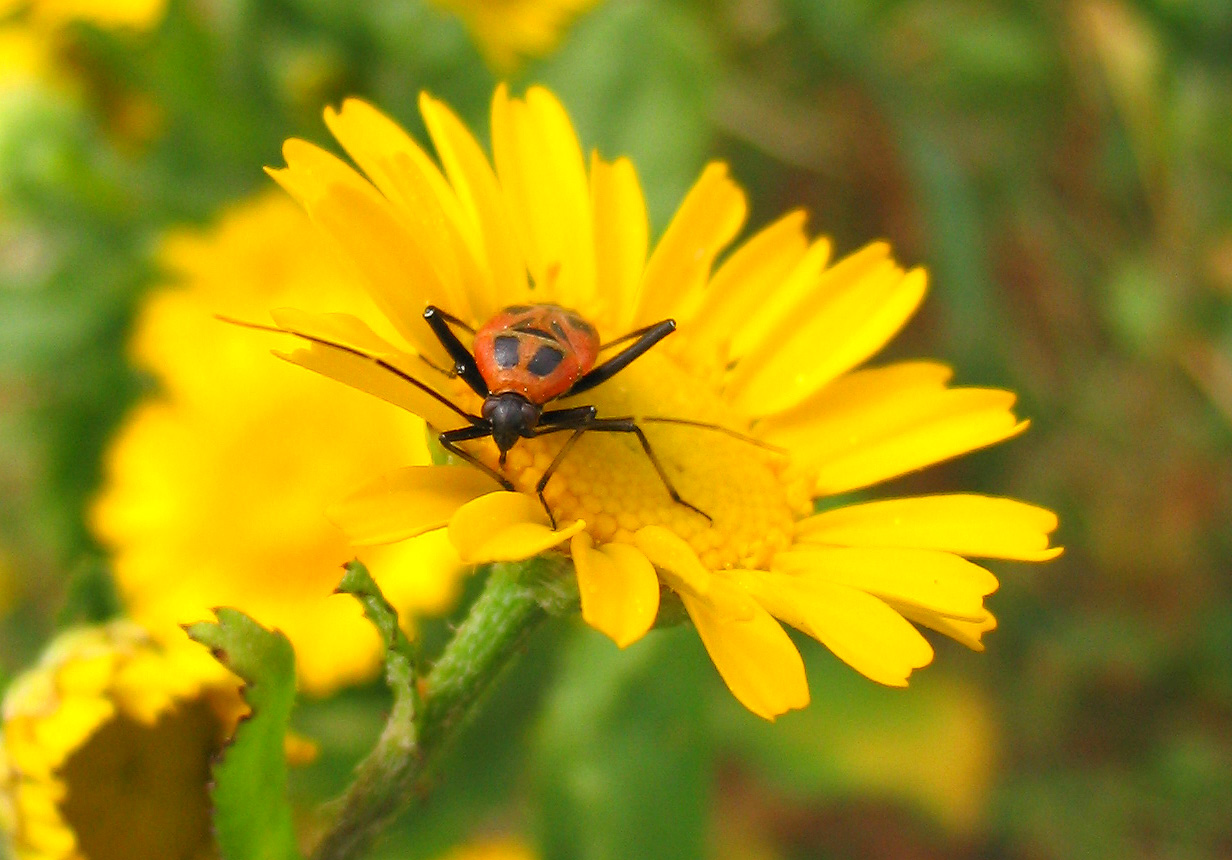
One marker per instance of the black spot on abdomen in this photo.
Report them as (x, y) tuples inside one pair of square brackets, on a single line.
[(545, 360), (505, 349)]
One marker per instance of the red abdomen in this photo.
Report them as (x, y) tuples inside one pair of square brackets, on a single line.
[(538, 351)]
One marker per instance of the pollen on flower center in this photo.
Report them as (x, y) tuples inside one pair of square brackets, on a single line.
[(608, 481)]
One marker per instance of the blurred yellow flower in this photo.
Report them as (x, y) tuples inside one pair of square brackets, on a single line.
[(50, 14), (215, 491), (766, 349), (494, 848), (107, 746), (24, 55), (509, 30), (30, 33), (36, 49)]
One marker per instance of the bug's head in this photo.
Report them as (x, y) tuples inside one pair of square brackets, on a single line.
[(511, 416)]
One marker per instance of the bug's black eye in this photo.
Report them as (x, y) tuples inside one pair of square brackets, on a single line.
[(505, 348), (545, 360)]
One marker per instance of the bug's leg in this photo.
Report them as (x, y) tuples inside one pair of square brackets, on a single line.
[(633, 335), (556, 461), (449, 441), (574, 419), (705, 425), (646, 338), (464, 362), (565, 419), (627, 425)]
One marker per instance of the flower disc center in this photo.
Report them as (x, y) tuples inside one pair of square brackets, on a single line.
[(609, 481)]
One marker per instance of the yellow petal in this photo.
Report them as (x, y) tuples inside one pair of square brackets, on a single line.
[(378, 145), (504, 526), (968, 633), (311, 172), (822, 339), (678, 561), (480, 197), (541, 167), (754, 655), (752, 277), (49, 840), (803, 290), (964, 524), (876, 424), (933, 581), (139, 691), (622, 235), (861, 630), (709, 218), (366, 375), (852, 407), (943, 437), (419, 576), (36, 801), (423, 198), (408, 502), (618, 586), (64, 730), (399, 273), (850, 397), (23, 751), (88, 675), (779, 302)]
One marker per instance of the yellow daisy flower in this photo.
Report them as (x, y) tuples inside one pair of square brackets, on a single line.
[(492, 848), (107, 746), (215, 491), (51, 14), (24, 56), (767, 350), (29, 36), (36, 49), (509, 30)]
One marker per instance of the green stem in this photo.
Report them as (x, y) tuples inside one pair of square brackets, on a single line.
[(515, 601)]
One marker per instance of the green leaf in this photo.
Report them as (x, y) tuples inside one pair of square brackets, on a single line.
[(401, 655), (622, 750), (252, 817)]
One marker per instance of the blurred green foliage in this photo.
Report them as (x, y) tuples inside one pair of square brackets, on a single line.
[(1065, 171)]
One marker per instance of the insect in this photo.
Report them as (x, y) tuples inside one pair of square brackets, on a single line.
[(525, 357), (522, 359)]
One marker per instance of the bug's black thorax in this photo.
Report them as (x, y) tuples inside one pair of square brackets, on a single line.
[(511, 416)]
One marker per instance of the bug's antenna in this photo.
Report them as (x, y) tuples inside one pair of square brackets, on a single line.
[(735, 434), (377, 360)]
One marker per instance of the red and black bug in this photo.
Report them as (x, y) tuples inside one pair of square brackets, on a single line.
[(527, 356), (521, 360)]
